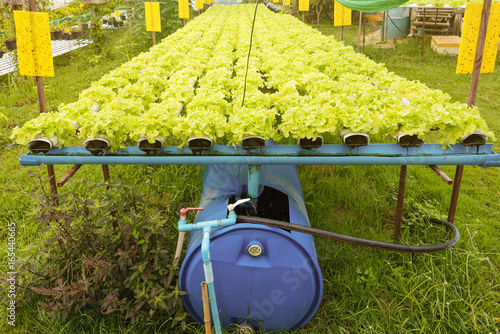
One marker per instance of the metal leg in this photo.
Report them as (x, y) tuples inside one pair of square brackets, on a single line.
[(401, 195), (455, 193), (68, 175), (52, 182), (105, 172)]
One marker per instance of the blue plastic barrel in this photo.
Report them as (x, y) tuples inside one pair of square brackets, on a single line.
[(277, 288), (398, 25)]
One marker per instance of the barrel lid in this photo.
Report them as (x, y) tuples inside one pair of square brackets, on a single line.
[(279, 289)]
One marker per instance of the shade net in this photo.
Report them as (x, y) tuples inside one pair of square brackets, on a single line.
[(372, 5)]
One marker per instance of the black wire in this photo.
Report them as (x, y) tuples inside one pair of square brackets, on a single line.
[(359, 241), (248, 57)]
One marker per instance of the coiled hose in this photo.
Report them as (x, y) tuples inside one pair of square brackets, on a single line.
[(359, 241)]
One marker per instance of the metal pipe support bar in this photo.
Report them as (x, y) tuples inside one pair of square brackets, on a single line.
[(442, 174), (399, 208), (68, 175)]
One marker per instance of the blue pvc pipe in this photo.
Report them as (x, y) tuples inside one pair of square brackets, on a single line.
[(209, 277), (207, 226), (253, 181), (373, 154)]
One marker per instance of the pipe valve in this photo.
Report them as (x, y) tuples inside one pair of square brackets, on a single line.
[(184, 211), (231, 207)]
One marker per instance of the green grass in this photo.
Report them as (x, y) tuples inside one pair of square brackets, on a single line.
[(365, 290)]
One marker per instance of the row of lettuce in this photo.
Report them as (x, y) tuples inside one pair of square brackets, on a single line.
[(300, 84)]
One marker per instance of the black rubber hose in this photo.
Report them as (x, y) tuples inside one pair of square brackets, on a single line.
[(359, 241)]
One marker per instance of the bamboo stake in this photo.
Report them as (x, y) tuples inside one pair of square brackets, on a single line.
[(177, 256), (206, 307), (399, 209), (342, 33)]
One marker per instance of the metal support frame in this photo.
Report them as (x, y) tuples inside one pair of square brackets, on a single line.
[(399, 209), (454, 195)]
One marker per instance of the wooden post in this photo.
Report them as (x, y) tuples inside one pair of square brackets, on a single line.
[(359, 29), (364, 33), (479, 52), (436, 20), (39, 80), (401, 196), (459, 13), (423, 34)]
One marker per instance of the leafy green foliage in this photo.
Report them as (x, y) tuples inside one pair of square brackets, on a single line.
[(299, 84), (103, 253)]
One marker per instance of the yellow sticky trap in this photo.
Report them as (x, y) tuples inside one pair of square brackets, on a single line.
[(276, 1), (207, 2), (33, 44), (303, 5), (286, 2), (341, 15), (117, 12), (199, 4), (184, 9), (470, 34), (153, 22)]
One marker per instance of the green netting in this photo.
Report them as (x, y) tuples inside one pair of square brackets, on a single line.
[(372, 5)]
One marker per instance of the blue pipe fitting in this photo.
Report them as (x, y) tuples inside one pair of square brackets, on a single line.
[(253, 181)]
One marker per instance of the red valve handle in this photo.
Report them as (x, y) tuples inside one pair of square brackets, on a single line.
[(184, 212)]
